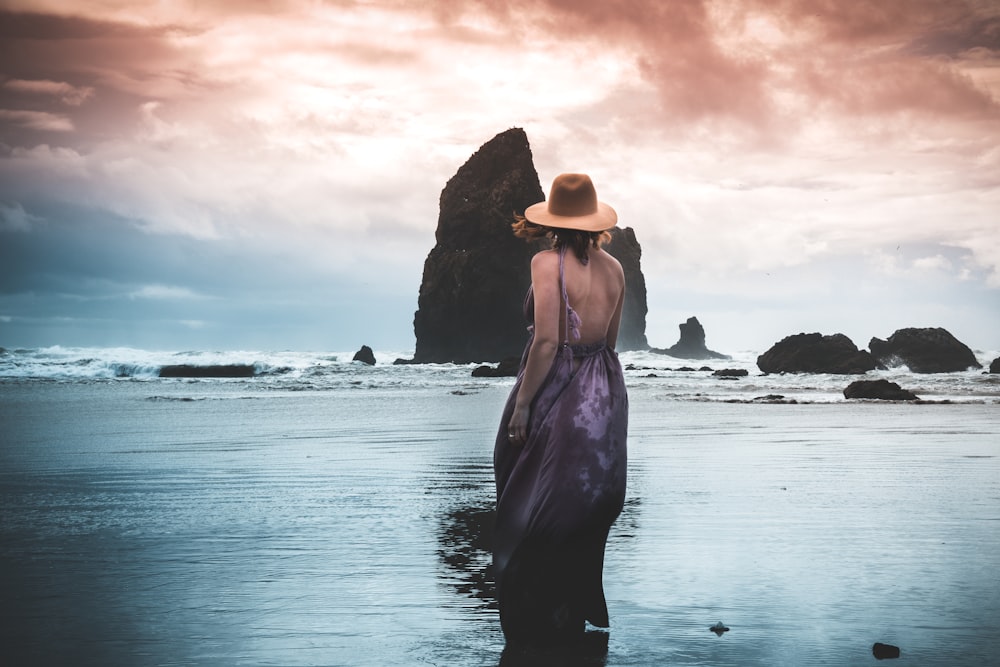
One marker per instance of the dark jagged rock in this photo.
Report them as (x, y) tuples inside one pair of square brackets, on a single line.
[(224, 371), (885, 651), (691, 344), (365, 355), (731, 372), (507, 368), (626, 249), (926, 350), (879, 389), (476, 276), (995, 365), (816, 353)]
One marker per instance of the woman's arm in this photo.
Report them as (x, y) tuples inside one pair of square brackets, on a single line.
[(616, 320), (548, 300)]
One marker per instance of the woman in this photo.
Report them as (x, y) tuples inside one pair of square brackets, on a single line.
[(560, 455)]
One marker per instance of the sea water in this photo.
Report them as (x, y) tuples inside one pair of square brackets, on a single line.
[(325, 512)]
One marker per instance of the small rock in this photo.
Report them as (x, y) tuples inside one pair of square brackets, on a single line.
[(365, 355), (719, 628), (211, 371), (506, 368), (885, 651), (878, 389), (732, 372)]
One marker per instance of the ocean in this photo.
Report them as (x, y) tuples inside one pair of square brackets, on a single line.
[(325, 512)]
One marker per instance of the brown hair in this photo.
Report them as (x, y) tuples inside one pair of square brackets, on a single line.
[(580, 242)]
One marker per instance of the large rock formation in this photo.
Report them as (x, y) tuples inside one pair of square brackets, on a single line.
[(928, 350), (995, 365), (476, 276), (691, 344), (815, 353)]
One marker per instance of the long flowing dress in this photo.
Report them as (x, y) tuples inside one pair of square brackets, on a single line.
[(559, 493)]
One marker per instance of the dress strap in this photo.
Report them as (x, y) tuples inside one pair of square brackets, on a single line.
[(572, 319)]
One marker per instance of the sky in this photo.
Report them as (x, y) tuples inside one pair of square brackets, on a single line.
[(265, 175)]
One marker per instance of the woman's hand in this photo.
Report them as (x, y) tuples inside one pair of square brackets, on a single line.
[(517, 427)]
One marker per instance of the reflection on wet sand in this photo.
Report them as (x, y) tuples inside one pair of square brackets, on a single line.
[(465, 549)]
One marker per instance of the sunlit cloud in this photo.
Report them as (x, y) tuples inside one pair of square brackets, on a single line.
[(165, 292), (68, 94), (37, 120)]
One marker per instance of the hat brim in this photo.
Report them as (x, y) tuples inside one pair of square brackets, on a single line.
[(603, 219)]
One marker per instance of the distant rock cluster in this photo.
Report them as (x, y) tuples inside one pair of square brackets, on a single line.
[(928, 350)]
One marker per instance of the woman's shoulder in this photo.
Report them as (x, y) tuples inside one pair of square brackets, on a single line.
[(609, 260), (544, 259)]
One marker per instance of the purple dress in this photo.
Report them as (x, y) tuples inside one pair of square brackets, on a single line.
[(559, 492)]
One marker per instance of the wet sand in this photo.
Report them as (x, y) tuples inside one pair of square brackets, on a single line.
[(206, 524)]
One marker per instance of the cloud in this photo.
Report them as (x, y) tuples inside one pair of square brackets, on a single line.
[(67, 93), (742, 140), (36, 120), (166, 292), (935, 263), (13, 218)]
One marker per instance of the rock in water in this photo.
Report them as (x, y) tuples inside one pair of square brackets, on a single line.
[(691, 344), (880, 389), (476, 276), (719, 628), (885, 651), (626, 249), (815, 353), (365, 355), (508, 368), (211, 371), (928, 350), (995, 365)]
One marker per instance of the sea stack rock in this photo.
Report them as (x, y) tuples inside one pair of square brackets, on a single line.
[(476, 276), (626, 249), (995, 365), (691, 344), (815, 353), (927, 350), (365, 355)]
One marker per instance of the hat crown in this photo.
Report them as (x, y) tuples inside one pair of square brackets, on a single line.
[(572, 204), (572, 195)]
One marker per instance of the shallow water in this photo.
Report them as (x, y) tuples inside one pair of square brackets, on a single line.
[(192, 523)]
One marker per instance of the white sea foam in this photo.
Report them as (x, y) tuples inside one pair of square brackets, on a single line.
[(661, 376)]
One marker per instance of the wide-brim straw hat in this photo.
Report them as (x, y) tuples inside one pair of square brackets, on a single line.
[(573, 204)]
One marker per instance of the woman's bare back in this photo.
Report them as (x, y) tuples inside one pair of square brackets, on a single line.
[(596, 291)]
